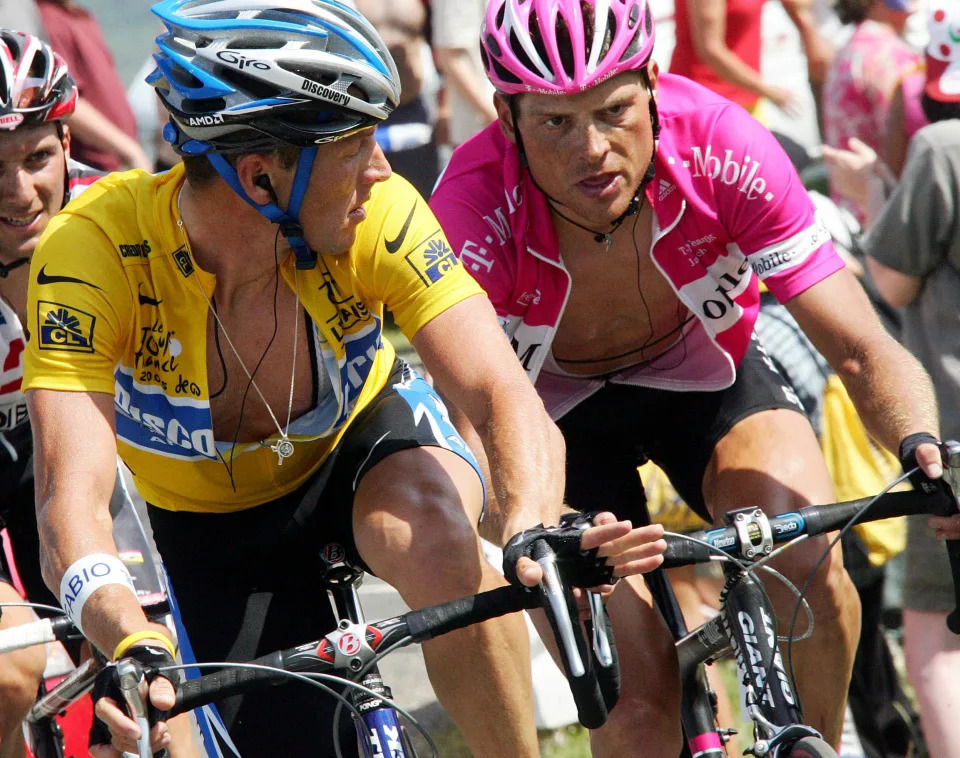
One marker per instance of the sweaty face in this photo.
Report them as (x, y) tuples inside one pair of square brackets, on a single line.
[(589, 151), (32, 176), (344, 173)]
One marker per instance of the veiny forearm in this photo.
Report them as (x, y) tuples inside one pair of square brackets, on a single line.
[(527, 457), (491, 525), (891, 391), (112, 611)]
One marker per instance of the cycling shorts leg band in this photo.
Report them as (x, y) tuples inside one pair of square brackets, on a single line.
[(85, 576)]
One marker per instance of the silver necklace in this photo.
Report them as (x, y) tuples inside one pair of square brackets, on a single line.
[(283, 447)]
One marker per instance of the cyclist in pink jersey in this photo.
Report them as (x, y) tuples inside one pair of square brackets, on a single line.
[(620, 221)]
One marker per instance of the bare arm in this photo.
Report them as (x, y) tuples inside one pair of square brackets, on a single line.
[(890, 389), (75, 464), (474, 366), (818, 51), (708, 29), (896, 142), (455, 64), (896, 288), (91, 126)]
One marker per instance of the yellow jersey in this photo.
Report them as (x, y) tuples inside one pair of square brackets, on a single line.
[(117, 304)]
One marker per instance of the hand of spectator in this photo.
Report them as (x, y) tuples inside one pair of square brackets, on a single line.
[(133, 156), (945, 528), (785, 99), (850, 170)]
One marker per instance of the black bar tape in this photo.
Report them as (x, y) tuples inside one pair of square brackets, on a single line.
[(194, 693), (456, 614)]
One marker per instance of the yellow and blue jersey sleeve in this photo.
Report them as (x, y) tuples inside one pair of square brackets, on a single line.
[(79, 309), (404, 260)]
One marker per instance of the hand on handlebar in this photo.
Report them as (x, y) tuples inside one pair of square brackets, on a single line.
[(115, 732), (622, 549), (925, 451)]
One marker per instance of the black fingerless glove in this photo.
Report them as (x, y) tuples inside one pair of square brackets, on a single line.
[(579, 568), (908, 461), (107, 684)]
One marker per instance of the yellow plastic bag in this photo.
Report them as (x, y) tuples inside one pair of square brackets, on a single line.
[(859, 468)]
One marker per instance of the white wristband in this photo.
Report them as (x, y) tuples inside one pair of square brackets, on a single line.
[(85, 576)]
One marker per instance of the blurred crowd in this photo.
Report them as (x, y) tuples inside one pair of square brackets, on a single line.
[(865, 97)]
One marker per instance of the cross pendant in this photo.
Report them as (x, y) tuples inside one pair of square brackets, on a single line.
[(283, 448)]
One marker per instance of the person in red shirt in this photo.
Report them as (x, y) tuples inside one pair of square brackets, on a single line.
[(718, 44), (104, 128)]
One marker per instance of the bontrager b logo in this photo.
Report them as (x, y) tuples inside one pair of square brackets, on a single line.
[(63, 327)]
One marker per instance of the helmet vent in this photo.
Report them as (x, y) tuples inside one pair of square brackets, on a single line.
[(503, 73), (247, 83), (634, 15), (204, 106), (565, 47), (521, 54)]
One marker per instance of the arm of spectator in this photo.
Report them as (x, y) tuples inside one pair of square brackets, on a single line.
[(460, 73), (896, 144), (896, 288), (92, 127), (708, 27), (818, 50)]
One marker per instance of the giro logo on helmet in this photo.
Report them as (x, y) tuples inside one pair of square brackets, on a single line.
[(241, 61)]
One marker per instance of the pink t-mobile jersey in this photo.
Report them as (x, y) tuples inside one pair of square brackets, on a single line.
[(728, 208)]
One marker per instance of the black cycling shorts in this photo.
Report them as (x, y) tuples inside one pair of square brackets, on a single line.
[(621, 427), (247, 583)]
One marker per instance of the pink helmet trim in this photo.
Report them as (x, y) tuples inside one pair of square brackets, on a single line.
[(514, 64)]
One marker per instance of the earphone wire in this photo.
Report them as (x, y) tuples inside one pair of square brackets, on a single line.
[(250, 376)]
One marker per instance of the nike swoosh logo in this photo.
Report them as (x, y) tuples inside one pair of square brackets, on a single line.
[(44, 278), (394, 244), (144, 300)]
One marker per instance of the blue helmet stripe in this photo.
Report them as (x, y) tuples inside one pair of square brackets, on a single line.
[(212, 87), (166, 10)]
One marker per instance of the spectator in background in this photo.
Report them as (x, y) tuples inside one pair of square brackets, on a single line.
[(104, 130), (719, 45), (21, 15), (867, 71), (456, 45), (914, 258), (407, 137)]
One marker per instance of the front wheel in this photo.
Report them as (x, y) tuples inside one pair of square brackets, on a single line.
[(812, 747)]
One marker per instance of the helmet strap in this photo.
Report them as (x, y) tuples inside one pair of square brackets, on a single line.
[(288, 220), (636, 201)]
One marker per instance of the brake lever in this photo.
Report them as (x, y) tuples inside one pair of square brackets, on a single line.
[(601, 640), (131, 676), (552, 588)]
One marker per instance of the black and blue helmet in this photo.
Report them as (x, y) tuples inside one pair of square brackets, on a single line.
[(245, 74)]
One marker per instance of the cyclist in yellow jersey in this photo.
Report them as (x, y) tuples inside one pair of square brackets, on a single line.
[(221, 327)]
